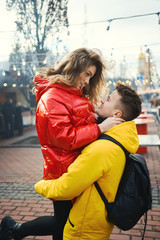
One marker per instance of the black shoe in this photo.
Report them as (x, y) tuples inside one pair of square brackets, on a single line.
[(9, 229), (3, 234)]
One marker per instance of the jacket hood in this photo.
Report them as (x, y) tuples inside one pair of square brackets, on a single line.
[(42, 85), (126, 134)]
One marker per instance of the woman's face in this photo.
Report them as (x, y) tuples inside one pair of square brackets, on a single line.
[(84, 77)]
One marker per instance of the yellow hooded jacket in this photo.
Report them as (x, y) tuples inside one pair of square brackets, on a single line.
[(101, 160)]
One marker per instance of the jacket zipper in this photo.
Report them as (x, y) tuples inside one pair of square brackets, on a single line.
[(71, 223)]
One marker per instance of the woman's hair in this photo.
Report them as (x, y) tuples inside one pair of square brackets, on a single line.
[(77, 62)]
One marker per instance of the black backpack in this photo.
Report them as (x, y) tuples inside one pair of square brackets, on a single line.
[(133, 198)]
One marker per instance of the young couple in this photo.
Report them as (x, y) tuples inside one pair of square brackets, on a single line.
[(67, 128)]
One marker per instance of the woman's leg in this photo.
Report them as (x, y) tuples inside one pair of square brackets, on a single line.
[(61, 212), (41, 226)]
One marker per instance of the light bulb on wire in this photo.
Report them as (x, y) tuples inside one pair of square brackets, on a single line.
[(158, 17), (109, 25), (68, 32), (14, 68), (45, 61), (23, 62), (18, 73)]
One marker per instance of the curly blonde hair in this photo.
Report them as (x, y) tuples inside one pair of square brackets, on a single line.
[(77, 61)]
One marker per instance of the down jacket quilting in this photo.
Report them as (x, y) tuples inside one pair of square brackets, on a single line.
[(65, 121)]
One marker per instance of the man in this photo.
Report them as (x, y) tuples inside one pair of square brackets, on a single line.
[(19, 119), (101, 161), (8, 111)]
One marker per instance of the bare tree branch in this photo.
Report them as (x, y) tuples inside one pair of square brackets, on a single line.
[(37, 18)]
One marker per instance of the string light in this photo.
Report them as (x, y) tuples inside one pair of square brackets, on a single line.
[(45, 61), (23, 62), (34, 68), (108, 27), (158, 17), (101, 21), (68, 32), (134, 16), (14, 68), (18, 73)]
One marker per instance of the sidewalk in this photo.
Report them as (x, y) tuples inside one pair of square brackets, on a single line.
[(21, 168)]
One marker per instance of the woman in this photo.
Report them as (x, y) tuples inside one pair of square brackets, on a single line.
[(66, 122)]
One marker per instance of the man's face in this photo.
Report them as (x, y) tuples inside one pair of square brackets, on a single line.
[(109, 105)]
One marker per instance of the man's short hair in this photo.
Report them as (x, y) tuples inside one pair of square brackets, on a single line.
[(130, 103)]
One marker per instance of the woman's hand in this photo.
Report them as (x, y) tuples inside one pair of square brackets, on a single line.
[(109, 123)]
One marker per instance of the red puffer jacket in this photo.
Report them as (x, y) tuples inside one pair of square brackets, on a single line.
[(66, 122)]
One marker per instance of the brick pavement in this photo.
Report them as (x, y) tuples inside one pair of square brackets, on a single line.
[(21, 167)]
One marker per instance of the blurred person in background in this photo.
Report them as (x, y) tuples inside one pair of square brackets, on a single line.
[(8, 111), (18, 119)]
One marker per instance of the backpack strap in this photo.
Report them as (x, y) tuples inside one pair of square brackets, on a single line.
[(104, 199), (107, 137), (145, 225)]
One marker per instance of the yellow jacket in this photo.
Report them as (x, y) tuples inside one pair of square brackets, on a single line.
[(101, 160)]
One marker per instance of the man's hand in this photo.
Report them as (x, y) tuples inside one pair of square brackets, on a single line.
[(44, 188)]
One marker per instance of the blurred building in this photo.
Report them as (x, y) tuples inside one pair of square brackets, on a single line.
[(147, 72)]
